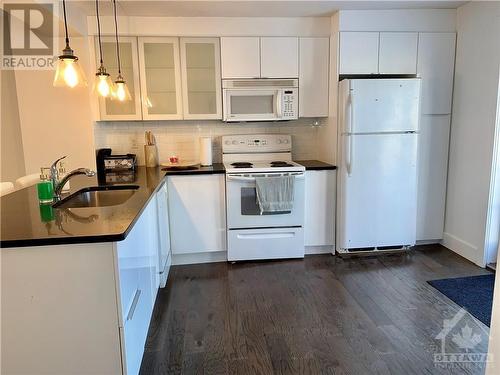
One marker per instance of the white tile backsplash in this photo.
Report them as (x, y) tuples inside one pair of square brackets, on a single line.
[(181, 138)]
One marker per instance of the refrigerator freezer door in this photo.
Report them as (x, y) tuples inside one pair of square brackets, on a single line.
[(378, 198), (384, 105)]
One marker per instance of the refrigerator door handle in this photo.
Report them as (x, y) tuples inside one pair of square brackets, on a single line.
[(349, 134)]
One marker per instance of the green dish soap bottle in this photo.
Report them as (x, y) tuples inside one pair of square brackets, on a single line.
[(45, 187)]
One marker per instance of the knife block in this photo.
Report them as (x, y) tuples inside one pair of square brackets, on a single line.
[(151, 155)]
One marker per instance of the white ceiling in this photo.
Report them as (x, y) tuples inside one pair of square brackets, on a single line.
[(259, 8)]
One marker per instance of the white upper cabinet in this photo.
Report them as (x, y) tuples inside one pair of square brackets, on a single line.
[(254, 57), (279, 57), (160, 78), (436, 65), (240, 57), (313, 77), (359, 52), (398, 53), (201, 81), (378, 53), (113, 109)]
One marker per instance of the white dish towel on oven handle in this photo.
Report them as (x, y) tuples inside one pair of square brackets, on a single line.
[(275, 194)]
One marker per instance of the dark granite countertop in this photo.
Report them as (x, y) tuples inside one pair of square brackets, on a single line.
[(25, 223), (312, 165), (216, 168)]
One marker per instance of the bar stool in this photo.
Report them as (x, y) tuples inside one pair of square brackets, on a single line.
[(6, 188), (28, 180)]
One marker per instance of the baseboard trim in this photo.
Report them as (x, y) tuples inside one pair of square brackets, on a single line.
[(197, 258), (311, 250), (221, 256), (463, 248)]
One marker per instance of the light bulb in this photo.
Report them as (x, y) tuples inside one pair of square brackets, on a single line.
[(120, 91), (103, 87), (70, 75)]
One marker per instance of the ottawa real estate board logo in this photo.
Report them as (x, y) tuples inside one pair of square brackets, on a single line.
[(29, 35)]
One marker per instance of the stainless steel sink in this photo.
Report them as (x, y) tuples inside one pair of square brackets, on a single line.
[(98, 196)]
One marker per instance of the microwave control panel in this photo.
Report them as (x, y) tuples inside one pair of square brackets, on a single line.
[(290, 104)]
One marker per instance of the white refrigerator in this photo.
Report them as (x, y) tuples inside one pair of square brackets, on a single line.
[(377, 164)]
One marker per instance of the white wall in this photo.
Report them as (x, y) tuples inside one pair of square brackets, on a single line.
[(214, 26), (473, 128), (55, 121), (40, 122), (12, 154), (430, 20)]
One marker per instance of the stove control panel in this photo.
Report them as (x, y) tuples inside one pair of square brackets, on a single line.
[(248, 143)]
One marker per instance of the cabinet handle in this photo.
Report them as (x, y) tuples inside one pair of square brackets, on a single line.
[(131, 312)]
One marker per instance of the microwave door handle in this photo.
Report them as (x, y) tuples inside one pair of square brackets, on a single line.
[(279, 99), (227, 105)]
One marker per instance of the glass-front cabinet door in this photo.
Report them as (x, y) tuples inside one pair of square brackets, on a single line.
[(160, 78), (114, 109), (201, 81)]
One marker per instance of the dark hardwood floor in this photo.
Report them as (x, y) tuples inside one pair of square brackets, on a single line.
[(320, 315)]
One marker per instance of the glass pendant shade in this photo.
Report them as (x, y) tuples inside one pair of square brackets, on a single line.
[(103, 85), (121, 91), (69, 73)]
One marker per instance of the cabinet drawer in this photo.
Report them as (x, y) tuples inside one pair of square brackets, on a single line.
[(272, 243), (135, 331)]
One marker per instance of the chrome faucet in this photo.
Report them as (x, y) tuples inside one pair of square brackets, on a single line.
[(58, 188), (59, 184), (54, 172)]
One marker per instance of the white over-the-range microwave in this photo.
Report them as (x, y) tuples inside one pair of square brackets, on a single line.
[(260, 99)]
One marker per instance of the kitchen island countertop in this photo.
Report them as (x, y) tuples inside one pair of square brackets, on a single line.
[(24, 222)]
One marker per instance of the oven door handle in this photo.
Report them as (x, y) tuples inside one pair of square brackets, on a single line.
[(300, 176)]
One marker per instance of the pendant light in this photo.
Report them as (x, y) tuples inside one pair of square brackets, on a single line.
[(121, 91), (68, 72), (103, 85)]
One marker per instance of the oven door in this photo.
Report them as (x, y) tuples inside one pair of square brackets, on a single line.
[(243, 209), (253, 105)]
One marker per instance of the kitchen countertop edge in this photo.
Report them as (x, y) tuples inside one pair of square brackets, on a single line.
[(217, 168), (316, 165)]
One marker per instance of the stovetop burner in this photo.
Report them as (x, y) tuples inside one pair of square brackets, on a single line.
[(280, 164), (242, 165)]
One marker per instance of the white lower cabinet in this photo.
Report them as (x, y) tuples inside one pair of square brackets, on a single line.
[(164, 253), (137, 279), (319, 223), (80, 308), (197, 213)]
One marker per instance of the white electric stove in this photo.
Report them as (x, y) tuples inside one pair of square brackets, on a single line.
[(252, 235)]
